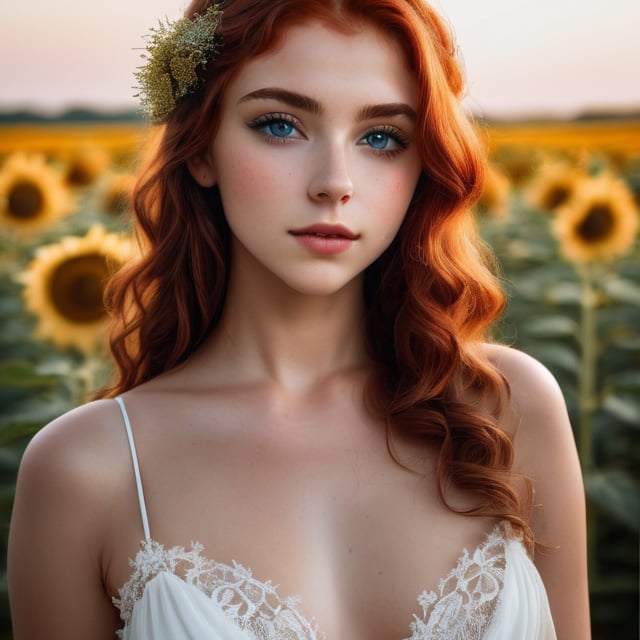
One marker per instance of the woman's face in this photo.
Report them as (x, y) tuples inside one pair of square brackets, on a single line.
[(315, 157)]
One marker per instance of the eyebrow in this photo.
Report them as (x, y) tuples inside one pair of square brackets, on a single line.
[(299, 101), (387, 111), (287, 97)]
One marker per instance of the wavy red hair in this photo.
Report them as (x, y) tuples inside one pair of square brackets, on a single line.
[(431, 297)]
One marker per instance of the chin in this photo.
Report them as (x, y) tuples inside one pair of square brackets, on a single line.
[(323, 286)]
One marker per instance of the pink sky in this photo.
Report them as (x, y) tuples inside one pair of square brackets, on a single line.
[(521, 57)]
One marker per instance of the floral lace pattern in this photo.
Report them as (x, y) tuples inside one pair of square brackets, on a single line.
[(461, 609), (463, 606), (255, 606)]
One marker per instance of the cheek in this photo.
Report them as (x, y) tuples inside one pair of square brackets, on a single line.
[(249, 181), (240, 170), (394, 182), (398, 192), (395, 197)]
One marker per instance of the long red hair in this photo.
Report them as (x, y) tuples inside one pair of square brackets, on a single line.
[(431, 297)]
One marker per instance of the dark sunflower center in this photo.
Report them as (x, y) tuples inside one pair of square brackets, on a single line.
[(557, 195), (77, 288), (597, 224), (25, 200), (80, 175)]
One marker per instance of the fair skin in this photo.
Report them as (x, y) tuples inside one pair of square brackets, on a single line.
[(265, 424)]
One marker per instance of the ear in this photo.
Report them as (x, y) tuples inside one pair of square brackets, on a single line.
[(202, 170)]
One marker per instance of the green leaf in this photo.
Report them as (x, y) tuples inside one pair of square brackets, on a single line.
[(625, 380), (22, 374), (623, 407), (20, 431), (564, 293), (9, 459), (630, 343), (550, 326), (554, 355), (617, 493), (621, 290)]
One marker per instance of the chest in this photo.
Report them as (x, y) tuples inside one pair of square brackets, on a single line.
[(230, 600), (311, 501), (365, 543)]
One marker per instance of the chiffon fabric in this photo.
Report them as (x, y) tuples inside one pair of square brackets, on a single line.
[(493, 593)]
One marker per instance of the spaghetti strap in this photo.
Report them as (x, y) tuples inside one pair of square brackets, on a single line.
[(136, 469)]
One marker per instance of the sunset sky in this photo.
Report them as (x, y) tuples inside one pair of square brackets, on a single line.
[(521, 57)]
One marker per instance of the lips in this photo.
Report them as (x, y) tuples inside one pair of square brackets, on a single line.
[(335, 231), (325, 239)]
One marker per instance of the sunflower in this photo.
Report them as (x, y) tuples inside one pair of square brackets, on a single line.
[(117, 193), (600, 222), (494, 200), (32, 194), (553, 186), (85, 165), (518, 165), (64, 287)]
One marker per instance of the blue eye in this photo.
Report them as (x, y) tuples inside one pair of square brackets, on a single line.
[(386, 140), (279, 128), (379, 140)]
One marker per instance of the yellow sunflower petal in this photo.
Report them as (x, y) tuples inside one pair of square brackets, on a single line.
[(600, 222), (64, 287), (553, 185), (32, 194), (85, 165)]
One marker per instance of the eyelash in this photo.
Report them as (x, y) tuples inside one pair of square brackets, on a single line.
[(270, 118), (398, 136), (262, 121)]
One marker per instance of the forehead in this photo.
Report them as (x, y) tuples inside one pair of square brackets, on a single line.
[(315, 59)]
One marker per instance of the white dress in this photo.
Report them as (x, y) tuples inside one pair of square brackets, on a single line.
[(493, 593)]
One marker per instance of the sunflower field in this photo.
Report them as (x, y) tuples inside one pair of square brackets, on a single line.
[(560, 210)]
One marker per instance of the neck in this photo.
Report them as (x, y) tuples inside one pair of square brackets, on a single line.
[(269, 331)]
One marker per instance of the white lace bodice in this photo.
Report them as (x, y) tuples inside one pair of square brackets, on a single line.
[(461, 608), (253, 605)]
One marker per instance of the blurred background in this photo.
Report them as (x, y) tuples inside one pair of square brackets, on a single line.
[(555, 90)]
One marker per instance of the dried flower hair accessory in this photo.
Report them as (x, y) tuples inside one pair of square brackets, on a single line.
[(175, 53)]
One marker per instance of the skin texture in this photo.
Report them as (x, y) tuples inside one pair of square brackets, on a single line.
[(260, 446)]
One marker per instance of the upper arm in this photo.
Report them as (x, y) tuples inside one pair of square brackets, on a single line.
[(54, 564), (545, 451)]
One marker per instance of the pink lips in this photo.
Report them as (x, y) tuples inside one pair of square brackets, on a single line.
[(325, 239)]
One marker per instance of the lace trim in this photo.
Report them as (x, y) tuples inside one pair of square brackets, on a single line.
[(461, 608), (254, 605), (464, 604)]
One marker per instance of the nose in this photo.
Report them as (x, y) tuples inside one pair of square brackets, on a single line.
[(331, 181)]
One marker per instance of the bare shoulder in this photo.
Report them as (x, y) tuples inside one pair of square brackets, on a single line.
[(536, 407), (75, 469), (544, 444), (529, 380), (545, 451), (68, 500), (82, 445), (536, 416)]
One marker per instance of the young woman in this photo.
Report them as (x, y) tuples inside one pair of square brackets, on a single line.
[(307, 401)]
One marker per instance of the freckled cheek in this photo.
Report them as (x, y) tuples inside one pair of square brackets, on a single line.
[(395, 191), (253, 180), (394, 196), (250, 171)]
